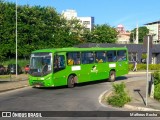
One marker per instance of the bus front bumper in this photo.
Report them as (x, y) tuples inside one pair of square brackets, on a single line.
[(38, 84)]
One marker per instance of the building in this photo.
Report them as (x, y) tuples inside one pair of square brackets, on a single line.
[(135, 51), (123, 36), (69, 14), (154, 28), (88, 22)]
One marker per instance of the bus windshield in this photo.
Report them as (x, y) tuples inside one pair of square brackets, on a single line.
[(40, 64)]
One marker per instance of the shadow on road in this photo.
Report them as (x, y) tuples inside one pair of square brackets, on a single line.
[(121, 78), (84, 84)]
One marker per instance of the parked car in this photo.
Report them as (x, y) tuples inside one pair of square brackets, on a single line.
[(2, 70), (26, 69), (11, 69)]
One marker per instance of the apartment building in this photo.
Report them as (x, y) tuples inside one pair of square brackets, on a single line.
[(69, 14), (154, 29), (88, 22)]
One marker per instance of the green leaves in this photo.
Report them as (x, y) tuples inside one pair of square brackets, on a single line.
[(37, 27), (102, 34), (156, 76), (142, 32), (42, 27), (157, 92)]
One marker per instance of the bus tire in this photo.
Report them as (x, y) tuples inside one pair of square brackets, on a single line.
[(112, 76), (71, 81)]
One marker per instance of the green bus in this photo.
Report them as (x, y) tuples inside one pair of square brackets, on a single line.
[(69, 66)]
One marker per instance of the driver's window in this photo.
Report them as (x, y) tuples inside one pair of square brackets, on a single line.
[(59, 62)]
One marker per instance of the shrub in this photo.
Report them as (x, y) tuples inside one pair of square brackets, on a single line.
[(154, 66), (119, 97), (119, 88), (144, 56), (156, 76), (157, 92), (144, 67)]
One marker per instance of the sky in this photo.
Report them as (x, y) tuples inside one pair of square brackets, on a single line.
[(129, 13)]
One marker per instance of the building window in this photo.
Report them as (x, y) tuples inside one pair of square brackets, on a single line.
[(87, 29), (86, 22)]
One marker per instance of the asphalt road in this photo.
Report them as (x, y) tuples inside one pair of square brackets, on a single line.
[(83, 97)]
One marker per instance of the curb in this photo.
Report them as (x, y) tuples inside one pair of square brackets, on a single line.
[(106, 93), (136, 108), (14, 88), (127, 106), (131, 73)]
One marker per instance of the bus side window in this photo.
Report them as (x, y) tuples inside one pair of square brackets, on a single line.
[(77, 58), (73, 58), (87, 57), (61, 60), (100, 57), (111, 56), (121, 55)]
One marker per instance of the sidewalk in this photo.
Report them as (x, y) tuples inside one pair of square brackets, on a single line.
[(16, 82), (137, 92)]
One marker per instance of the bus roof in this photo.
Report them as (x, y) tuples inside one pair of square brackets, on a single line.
[(73, 49)]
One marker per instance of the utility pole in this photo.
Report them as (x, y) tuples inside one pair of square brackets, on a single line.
[(16, 38), (137, 37), (148, 41)]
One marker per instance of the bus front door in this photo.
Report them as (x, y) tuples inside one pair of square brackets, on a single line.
[(59, 69)]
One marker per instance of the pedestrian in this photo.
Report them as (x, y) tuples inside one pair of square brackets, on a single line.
[(135, 66)]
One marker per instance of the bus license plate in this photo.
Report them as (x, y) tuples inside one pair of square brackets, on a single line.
[(37, 85)]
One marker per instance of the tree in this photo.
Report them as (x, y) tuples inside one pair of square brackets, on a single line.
[(102, 34), (7, 29), (42, 27), (68, 33), (38, 28), (142, 31)]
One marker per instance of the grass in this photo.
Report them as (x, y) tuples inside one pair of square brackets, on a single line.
[(5, 76)]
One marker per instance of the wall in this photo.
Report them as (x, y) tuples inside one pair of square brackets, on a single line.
[(135, 48)]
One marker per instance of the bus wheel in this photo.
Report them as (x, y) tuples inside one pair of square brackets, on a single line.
[(112, 76), (71, 81)]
